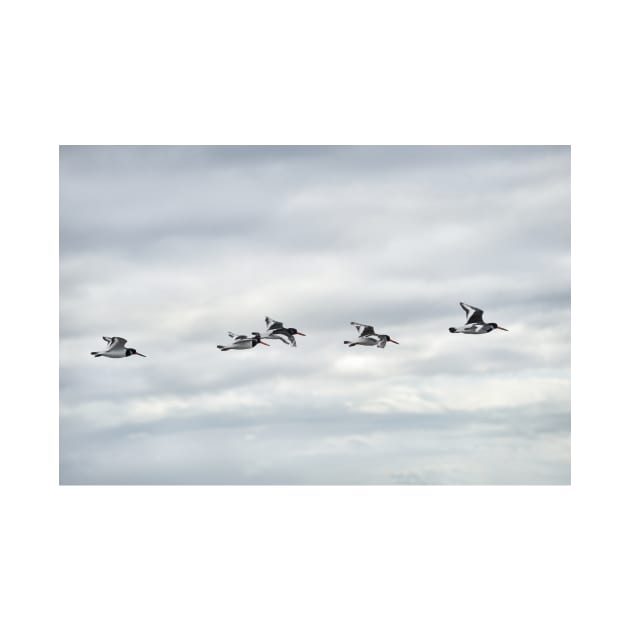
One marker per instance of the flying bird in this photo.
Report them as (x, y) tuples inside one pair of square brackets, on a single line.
[(475, 324), (243, 342), (116, 349), (276, 330), (367, 337)]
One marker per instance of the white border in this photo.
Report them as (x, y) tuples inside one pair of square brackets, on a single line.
[(278, 72)]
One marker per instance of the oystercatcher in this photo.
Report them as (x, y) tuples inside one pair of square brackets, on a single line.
[(367, 337), (475, 324), (116, 349)]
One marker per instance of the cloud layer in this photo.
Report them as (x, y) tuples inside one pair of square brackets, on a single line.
[(170, 247)]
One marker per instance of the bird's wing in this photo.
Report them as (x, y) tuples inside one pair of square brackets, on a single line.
[(367, 330), (276, 336), (291, 338), (272, 324), (237, 337), (382, 341), (115, 343), (474, 314)]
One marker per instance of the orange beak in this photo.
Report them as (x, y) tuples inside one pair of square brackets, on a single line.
[(506, 330), (394, 341), (263, 343)]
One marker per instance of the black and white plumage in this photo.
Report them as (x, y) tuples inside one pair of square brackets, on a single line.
[(474, 322), (276, 330), (243, 342), (116, 349), (368, 337)]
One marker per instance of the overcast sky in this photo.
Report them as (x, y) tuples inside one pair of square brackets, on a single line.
[(170, 247)]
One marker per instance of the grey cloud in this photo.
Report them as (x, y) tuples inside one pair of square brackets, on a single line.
[(471, 450), (173, 246)]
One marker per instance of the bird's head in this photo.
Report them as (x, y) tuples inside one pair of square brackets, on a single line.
[(257, 339), (131, 351), (494, 325)]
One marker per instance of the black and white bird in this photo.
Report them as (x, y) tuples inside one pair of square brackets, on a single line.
[(276, 330), (116, 349), (474, 324), (367, 337), (243, 342)]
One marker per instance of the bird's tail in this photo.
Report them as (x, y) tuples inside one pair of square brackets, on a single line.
[(221, 347), (350, 342), (95, 354)]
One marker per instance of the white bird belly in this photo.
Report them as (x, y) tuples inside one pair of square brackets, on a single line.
[(473, 329), (365, 341), (115, 354)]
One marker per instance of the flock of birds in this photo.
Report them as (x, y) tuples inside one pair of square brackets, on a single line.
[(367, 336)]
